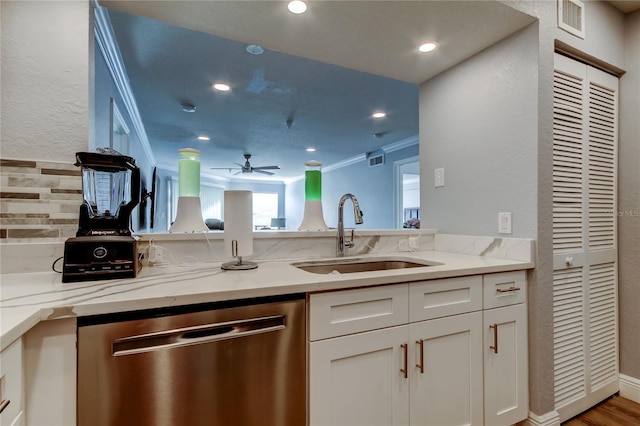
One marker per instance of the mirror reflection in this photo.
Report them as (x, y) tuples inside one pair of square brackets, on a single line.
[(279, 106)]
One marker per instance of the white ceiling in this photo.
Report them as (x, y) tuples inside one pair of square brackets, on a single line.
[(626, 6), (168, 65)]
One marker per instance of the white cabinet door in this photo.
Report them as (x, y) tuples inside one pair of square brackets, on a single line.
[(446, 371), (12, 385), (356, 380), (505, 365)]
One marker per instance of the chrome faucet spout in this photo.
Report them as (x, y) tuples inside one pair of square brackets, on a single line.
[(357, 213)]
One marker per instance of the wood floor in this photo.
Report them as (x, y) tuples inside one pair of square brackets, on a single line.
[(615, 411)]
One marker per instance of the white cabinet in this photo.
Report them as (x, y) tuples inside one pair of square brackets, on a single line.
[(355, 376), (505, 365), (506, 386), (412, 354), (12, 385), (446, 377), (356, 379)]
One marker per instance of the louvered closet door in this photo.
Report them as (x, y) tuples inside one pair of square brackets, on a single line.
[(584, 236)]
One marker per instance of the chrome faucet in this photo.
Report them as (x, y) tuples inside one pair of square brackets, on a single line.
[(358, 218)]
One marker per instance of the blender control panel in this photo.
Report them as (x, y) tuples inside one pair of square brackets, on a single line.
[(96, 258)]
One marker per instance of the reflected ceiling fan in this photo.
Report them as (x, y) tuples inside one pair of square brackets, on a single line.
[(248, 168)]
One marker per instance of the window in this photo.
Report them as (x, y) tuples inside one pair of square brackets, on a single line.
[(265, 207)]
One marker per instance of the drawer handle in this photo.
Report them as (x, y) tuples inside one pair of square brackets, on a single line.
[(507, 290), (4, 404), (405, 370), (495, 338), (421, 365)]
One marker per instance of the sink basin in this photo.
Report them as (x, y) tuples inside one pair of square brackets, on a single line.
[(349, 266)]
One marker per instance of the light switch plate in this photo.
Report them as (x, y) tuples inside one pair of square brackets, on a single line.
[(504, 223), (439, 177)]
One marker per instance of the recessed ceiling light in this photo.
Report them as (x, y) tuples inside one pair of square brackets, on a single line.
[(297, 6), (222, 87), (311, 150), (204, 138), (428, 46), (379, 114), (254, 49)]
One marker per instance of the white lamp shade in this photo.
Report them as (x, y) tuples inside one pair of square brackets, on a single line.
[(238, 223)]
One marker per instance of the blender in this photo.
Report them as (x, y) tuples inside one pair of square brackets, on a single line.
[(104, 247)]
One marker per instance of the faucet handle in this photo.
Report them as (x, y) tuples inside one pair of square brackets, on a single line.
[(350, 243)]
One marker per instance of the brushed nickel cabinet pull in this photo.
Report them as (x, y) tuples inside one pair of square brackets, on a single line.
[(421, 365), (495, 338), (405, 370), (4, 404), (507, 290)]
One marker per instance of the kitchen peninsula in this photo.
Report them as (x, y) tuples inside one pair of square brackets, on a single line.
[(37, 298)]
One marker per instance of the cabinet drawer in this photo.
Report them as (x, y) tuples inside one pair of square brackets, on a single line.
[(11, 383), (505, 288), (440, 298), (338, 313)]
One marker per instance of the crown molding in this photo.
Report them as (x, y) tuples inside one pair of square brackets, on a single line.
[(106, 42), (395, 146)]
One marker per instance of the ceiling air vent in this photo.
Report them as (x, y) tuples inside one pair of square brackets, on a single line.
[(376, 158), (571, 17)]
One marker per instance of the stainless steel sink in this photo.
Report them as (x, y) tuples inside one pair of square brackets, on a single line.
[(349, 266)]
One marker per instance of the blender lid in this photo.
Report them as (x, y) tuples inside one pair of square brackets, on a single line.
[(105, 162)]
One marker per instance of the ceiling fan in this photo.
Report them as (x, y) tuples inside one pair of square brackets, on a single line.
[(248, 168)]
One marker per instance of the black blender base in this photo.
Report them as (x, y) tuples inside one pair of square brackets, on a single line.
[(100, 258)]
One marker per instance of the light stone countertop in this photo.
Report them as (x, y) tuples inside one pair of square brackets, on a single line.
[(28, 298)]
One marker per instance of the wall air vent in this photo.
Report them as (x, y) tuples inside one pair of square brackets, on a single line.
[(376, 158), (571, 17)]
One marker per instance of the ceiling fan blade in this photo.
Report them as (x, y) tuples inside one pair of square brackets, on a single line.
[(266, 168), (262, 172)]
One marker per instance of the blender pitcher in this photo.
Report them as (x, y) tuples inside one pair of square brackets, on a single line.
[(111, 190)]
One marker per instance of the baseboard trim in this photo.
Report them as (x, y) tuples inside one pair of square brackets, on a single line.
[(552, 418), (630, 388)]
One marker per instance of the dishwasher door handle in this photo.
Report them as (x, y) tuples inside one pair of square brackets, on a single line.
[(196, 335)]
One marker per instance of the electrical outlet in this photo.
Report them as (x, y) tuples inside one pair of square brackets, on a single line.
[(155, 255)]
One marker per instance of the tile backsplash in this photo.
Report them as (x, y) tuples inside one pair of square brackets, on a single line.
[(39, 200)]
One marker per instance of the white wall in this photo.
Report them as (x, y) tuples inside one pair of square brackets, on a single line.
[(478, 121), (372, 186), (629, 202), (604, 41), (45, 79), (604, 30)]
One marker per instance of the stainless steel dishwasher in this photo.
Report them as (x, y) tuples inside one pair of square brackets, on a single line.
[(232, 363)]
